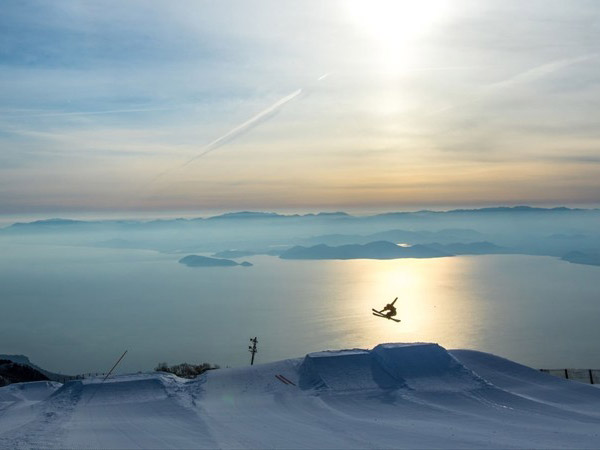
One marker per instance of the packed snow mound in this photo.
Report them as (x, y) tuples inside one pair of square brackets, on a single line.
[(344, 370), (426, 367), (33, 391), (121, 390), (388, 366), (393, 396)]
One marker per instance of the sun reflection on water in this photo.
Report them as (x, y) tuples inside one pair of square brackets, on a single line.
[(431, 304)]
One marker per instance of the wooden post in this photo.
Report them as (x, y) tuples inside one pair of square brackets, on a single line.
[(252, 349), (591, 376), (567, 374)]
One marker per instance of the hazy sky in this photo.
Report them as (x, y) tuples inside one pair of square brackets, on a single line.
[(175, 105)]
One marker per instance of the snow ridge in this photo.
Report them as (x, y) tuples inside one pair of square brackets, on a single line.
[(393, 396)]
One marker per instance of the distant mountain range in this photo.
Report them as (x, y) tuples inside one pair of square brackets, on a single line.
[(554, 232), (258, 215)]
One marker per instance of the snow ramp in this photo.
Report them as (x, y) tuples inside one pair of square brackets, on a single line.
[(344, 370), (419, 366), (30, 392), (392, 396)]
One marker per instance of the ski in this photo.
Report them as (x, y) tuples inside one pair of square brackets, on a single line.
[(285, 380), (385, 317)]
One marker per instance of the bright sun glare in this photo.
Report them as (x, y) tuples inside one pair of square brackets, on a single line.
[(394, 24)]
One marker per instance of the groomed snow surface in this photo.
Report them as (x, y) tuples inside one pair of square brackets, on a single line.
[(394, 396)]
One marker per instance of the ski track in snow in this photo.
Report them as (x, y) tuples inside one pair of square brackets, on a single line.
[(394, 396)]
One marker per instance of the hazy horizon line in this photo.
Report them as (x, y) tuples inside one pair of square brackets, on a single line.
[(6, 219)]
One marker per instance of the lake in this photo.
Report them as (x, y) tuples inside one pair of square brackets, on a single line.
[(76, 309)]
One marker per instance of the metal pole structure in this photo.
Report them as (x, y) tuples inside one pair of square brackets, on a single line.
[(107, 375), (113, 367), (252, 349)]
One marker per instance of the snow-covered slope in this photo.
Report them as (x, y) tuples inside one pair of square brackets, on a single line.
[(394, 396)]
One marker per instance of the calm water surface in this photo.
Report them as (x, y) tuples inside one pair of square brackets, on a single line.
[(76, 310)]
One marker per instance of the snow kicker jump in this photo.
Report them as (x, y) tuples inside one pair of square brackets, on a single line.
[(393, 396)]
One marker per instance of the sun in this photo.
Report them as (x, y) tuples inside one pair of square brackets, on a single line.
[(395, 25)]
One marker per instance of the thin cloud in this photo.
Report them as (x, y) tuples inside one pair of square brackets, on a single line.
[(540, 71), (249, 124), (88, 113), (526, 76)]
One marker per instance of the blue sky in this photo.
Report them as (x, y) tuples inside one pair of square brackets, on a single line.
[(106, 106)]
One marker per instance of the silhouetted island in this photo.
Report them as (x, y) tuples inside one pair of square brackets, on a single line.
[(576, 257), (205, 261), (234, 254), (372, 250), (471, 248), (243, 253)]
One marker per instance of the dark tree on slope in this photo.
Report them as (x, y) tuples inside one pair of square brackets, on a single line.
[(185, 370), (11, 372)]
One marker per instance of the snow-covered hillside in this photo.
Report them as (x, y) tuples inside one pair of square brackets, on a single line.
[(394, 396)]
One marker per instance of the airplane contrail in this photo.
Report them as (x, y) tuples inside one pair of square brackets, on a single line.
[(242, 128), (246, 126), (237, 131)]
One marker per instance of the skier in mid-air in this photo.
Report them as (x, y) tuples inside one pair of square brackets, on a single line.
[(388, 311), (390, 308)]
